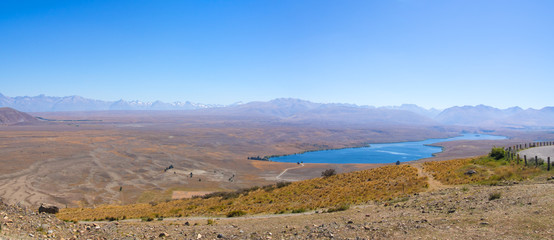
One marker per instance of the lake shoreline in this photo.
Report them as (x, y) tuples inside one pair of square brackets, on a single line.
[(380, 153)]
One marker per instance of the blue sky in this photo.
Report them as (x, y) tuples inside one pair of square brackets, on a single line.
[(431, 53)]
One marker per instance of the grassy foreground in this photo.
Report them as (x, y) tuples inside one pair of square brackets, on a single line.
[(334, 192)]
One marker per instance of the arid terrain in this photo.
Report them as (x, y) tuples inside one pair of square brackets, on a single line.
[(91, 158), (86, 159)]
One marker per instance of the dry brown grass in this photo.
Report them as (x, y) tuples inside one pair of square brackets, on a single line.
[(488, 171), (350, 188)]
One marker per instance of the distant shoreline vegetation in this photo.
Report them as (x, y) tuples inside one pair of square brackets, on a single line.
[(54, 120)]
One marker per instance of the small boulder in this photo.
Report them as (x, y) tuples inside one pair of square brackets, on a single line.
[(470, 172), (48, 209)]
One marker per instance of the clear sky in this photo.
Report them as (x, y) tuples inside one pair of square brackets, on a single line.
[(431, 53)]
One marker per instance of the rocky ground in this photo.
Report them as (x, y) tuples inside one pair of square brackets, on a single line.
[(514, 211)]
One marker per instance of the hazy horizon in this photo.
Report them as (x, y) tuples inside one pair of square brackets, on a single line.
[(308, 100), (435, 54)]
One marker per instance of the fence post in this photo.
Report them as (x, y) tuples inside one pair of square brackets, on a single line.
[(548, 166), (536, 161), (517, 159), (525, 159)]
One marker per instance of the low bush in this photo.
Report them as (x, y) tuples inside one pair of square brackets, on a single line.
[(494, 196), (299, 210), (328, 173), (497, 153), (236, 213), (342, 207)]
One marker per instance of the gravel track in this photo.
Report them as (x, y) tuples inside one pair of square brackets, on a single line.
[(540, 152)]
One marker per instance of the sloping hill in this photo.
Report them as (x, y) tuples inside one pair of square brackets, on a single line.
[(11, 116), (327, 192)]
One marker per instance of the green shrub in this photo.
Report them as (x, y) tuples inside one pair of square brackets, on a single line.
[(497, 153)]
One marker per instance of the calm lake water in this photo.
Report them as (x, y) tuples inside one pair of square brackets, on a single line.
[(380, 153)]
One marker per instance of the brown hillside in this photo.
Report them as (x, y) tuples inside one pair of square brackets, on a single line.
[(12, 116)]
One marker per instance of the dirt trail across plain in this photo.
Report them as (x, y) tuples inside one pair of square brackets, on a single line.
[(284, 171)]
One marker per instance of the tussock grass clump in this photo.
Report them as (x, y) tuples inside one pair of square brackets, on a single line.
[(494, 196), (339, 208), (299, 210), (236, 213), (342, 189)]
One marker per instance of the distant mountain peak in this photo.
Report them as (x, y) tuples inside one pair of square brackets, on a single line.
[(43, 103)]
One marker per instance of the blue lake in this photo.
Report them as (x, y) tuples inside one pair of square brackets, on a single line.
[(380, 153)]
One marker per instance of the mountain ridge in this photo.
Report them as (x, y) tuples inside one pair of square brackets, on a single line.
[(303, 110), (43, 103)]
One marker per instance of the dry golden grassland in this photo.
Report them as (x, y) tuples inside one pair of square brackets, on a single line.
[(488, 171), (360, 187)]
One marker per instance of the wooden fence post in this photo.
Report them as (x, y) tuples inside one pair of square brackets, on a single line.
[(536, 161), (548, 162), (525, 159), (517, 159)]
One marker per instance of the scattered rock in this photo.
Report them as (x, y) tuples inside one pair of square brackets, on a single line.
[(470, 172), (164, 234), (48, 209)]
